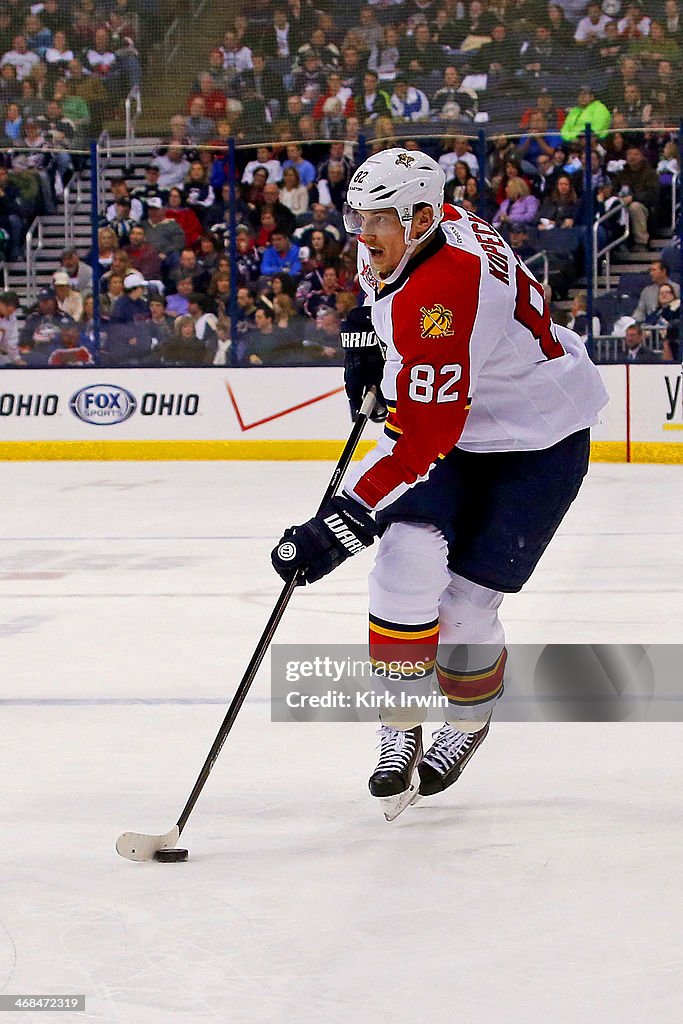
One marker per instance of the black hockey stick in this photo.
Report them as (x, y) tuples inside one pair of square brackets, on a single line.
[(138, 846)]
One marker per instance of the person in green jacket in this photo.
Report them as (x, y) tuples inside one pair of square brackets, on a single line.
[(588, 110)]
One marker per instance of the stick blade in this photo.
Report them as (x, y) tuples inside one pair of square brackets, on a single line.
[(137, 846)]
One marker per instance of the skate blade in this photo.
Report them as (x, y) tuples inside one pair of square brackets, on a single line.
[(392, 806)]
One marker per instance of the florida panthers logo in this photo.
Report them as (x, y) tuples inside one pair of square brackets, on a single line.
[(436, 322), (404, 160)]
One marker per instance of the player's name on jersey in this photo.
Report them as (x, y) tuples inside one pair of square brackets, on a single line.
[(370, 699)]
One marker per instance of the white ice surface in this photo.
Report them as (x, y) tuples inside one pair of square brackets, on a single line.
[(545, 888)]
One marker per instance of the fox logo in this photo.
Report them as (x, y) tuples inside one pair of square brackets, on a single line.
[(338, 527)]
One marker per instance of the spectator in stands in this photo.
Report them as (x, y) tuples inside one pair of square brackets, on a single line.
[(59, 53), (264, 158), (190, 266), (259, 343), (143, 256), (538, 140), (10, 89), (173, 166), (162, 232), (178, 304), (113, 292), (11, 216), (43, 325), (588, 110), (385, 54), (637, 185), (70, 348), (293, 194), (372, 102), (183, 348), (284, 218), (578, 317), (160, 326), (332, 190), (324, 297), (80, 274), (632, 106), (107, 245), (100, 58), (248, 261), (667, 317), (323, 343), (119, 190), (74, 108), (68, 300), (21, 58), (122, 222), (407, 102), (288, 331), (456, 188), (132, 306), (453, 102), (498, 58), (14, 123), (199, 127), (561, 31), (636, 349), (554, 115), (214, 99), (281, 255), (459, 150), (198, 194), (305, 168), (150, 187), (591, 28), (236, 56), (519, 206), (655, 46), (246, 309), (559, 209), (649, 297), (611, 49)]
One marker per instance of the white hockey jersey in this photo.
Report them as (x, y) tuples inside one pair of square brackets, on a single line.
[(472, 359)]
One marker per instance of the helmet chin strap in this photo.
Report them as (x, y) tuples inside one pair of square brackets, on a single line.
[(411, 246)]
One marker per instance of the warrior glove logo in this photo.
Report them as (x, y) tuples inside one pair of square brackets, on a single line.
[(336, 525), (286, 551), (436, 322)]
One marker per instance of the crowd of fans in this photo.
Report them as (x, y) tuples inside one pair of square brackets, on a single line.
[(65, 66), (361, 78)]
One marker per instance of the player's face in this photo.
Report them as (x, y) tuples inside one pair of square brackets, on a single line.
[(384, 238)]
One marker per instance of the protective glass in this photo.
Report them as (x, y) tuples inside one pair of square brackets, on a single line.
[(357, 223)]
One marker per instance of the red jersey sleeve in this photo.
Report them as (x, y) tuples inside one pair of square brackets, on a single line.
[(433, 317)]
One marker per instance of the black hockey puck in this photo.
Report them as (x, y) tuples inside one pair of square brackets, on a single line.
[(171, 856)]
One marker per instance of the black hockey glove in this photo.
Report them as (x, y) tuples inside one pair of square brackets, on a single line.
[(363, 362), (342, 528)]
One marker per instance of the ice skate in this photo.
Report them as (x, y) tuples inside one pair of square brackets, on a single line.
[(394, 780), (443, 763)]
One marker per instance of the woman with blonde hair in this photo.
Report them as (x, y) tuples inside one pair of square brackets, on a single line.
[(107, 244), (519, 206), (293, 194)]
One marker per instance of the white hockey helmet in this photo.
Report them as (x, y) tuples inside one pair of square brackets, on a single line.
[(396, 179)]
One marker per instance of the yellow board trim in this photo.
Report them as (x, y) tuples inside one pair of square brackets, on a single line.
[(172, 451), (142, 451)]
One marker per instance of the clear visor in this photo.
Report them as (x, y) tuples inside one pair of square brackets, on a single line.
[(356, 222)]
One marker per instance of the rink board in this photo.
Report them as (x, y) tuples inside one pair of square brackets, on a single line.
[(268, 413)]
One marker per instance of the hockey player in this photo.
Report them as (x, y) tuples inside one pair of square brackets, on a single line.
[(484, 449)]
